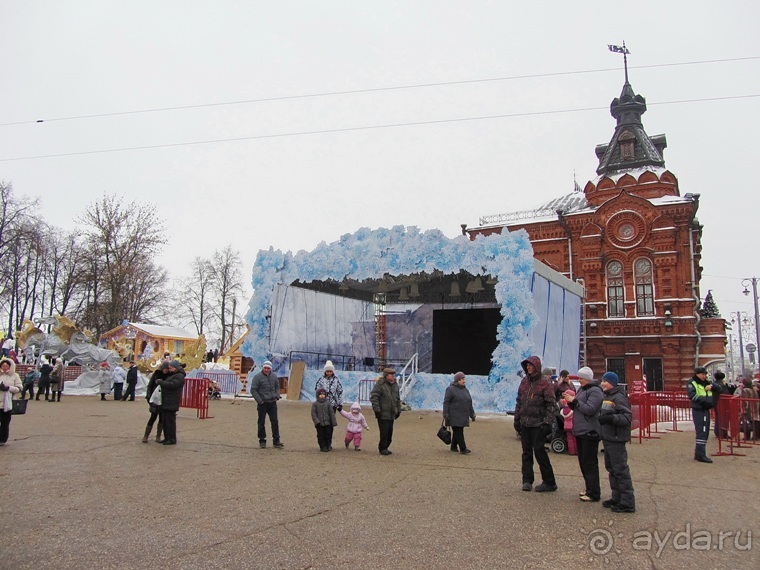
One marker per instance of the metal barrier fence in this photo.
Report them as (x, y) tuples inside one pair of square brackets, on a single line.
[(195, 396), (652, 411), (735, 421), (227, 380)]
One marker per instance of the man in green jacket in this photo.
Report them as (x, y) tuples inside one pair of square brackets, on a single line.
[(386, 403)]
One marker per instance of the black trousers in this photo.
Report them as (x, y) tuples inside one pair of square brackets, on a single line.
[(117, 389), (5, 426), (43, 386), (588, 460), (169, 419), (701, 420), (152, 420), (457, 439), (533, 439), (385, 427), (27, 387), (616, 463), (130, 393), (270, 409), (324, 436)]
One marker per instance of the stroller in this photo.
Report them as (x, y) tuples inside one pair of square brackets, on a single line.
[(214, 392), (557, 439)]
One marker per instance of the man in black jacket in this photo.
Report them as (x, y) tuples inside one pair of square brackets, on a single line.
[(171, 397), (131, 382)]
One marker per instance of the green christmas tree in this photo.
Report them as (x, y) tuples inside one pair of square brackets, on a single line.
[(709, 308)]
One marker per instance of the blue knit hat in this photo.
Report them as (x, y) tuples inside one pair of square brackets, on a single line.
[(611, 377)]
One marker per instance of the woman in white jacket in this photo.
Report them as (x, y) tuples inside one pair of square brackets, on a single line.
[(10, 389)]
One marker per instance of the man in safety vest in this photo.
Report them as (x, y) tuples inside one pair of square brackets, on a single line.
[(699, 391)]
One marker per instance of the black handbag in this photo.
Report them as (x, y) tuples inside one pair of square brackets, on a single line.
[(18, 407), (444, 434)]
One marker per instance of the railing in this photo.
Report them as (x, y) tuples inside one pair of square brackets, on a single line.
[(195, 396), (315, 360), (227, 380), (365, 389), (736, 421), (408, 376)]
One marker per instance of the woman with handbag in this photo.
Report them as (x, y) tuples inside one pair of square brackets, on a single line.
[(10, 389), (458, 411)]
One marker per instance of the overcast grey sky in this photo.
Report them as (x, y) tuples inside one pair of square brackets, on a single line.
[(63, 60)]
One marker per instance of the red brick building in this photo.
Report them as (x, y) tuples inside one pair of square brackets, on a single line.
[(635, 242)]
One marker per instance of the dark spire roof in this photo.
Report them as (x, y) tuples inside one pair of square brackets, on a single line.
[(630, 146)]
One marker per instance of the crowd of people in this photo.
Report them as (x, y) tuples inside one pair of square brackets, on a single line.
[(598, 411), (593, 413)]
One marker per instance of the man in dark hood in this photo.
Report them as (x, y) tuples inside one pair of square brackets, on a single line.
[(534, 413)]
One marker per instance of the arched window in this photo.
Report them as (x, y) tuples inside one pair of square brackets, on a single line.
[(615, 290), (642, 271)]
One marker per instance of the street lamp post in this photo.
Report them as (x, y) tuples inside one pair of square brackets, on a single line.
[(745, 283), (738, 322)]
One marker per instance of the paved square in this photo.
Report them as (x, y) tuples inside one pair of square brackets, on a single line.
[(82, 491)]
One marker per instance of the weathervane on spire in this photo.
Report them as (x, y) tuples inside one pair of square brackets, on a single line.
[(624, 50)]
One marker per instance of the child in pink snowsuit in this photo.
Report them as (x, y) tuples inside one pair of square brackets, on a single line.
[(356, 422), (567, 414)]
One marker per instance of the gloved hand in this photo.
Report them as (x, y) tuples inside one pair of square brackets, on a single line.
[(340, 408), (518, 426), (473, 418), (397, 415), (377, 415), (3, 387), (546, 430), (605, 419)]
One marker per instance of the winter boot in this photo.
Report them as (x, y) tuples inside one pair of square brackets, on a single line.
[(59, 396), (147, 434), (700, 454), (159, 431)]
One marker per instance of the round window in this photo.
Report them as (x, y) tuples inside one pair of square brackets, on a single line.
[(626, 232)]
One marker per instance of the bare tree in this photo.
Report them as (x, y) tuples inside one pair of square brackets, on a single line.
[(18, 239), (227, 285), (66, 263), (121, 243), (194, 295)]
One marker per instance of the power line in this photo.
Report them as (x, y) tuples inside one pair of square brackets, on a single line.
[(371, 90), (362, 128)]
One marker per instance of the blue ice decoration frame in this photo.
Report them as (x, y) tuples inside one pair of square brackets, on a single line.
[(403, 250)]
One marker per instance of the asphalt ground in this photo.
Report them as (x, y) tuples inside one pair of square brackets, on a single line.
[(80, 490)]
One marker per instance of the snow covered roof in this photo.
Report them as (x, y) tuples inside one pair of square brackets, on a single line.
[(635, 172), (575, 201), (164, 331)]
